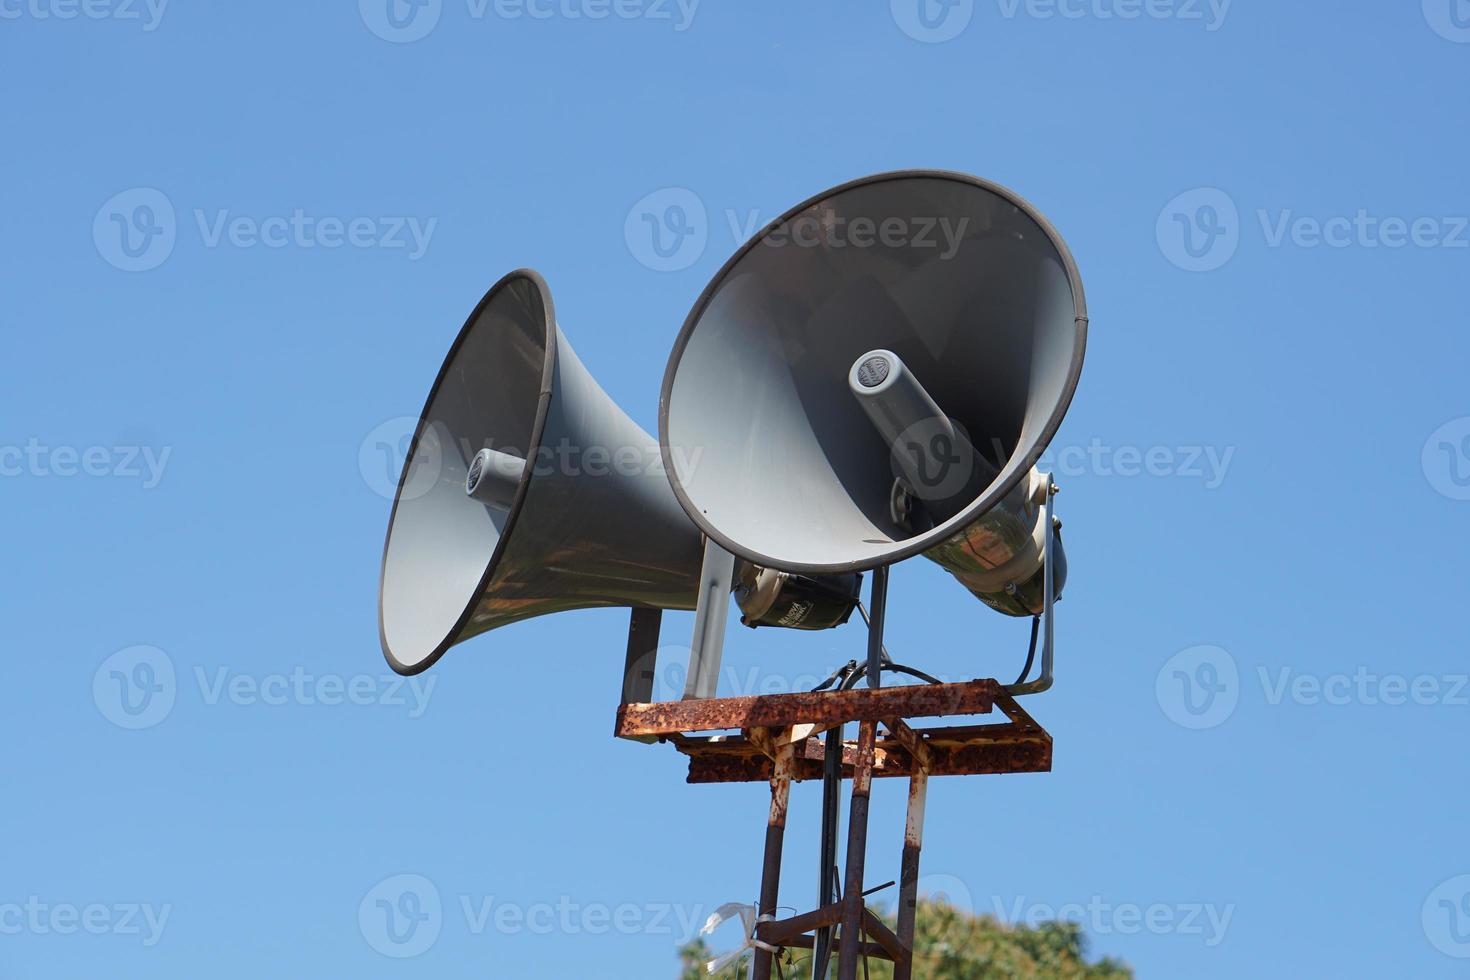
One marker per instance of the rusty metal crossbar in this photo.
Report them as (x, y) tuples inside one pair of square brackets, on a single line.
[(778, 742)]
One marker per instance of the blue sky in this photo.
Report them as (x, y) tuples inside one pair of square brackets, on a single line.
[(1260, 716)]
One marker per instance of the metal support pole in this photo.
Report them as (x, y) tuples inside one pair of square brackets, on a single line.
[(908, 879), (849, 950), (827, 887), (875, 626), (716, 575), (775, 838)]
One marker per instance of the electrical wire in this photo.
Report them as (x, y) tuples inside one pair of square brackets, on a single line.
[(1031, 652)]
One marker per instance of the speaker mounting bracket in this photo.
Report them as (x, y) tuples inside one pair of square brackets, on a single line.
[(1042, 683)]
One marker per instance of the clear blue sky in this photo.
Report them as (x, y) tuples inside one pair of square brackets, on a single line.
[(189, 419)]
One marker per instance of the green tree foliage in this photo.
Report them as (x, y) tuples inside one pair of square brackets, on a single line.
[(954, 945)]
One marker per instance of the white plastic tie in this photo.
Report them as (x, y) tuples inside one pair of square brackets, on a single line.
[(749, 919)]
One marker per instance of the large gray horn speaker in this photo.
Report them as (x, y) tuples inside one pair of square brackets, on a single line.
[(526, 491), (874, 376)]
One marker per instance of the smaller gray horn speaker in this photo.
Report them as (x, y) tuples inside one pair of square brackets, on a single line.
[(526, 491), (874, 376)]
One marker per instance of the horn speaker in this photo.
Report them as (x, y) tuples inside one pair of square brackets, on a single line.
[(526, 491), (874, 376)]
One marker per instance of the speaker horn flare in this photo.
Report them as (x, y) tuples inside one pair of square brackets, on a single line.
[(526, 491), (920, 308)]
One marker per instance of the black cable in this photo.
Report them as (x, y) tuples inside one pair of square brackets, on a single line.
[(862, 670), (1030, 653), (836, 675)]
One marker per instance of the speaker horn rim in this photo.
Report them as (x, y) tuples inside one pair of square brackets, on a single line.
[(920, 543), (538, 427)]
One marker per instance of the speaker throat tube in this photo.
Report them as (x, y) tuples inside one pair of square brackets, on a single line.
[(998, 556), (494, 477), (938, 470)]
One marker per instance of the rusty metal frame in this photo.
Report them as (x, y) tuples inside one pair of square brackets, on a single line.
[(779, 742), (1020, 745)]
